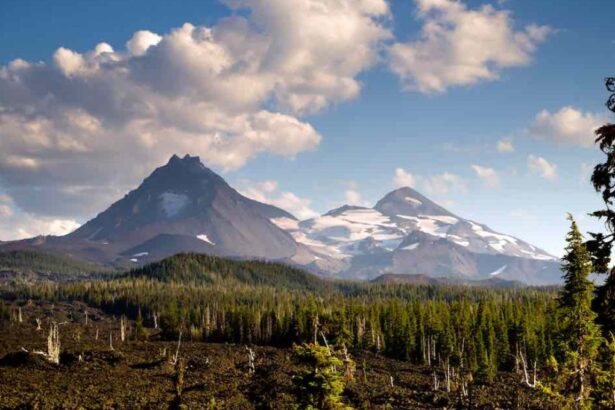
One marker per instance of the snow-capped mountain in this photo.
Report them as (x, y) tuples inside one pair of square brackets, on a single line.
[(407, 233), (185, 207)]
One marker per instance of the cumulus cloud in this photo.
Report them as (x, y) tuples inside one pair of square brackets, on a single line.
[(15, 224), (402, 178), (437, 185), (443, 184), (505, 146), (488, 175), (541, 167), (352, 196), (141, 41), (6, 209), (28, 226), (460, 46), (568, 125), (89, 122), (267, 192)]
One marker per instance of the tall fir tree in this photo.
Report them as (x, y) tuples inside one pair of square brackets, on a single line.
[(600, 245), (580, 335)]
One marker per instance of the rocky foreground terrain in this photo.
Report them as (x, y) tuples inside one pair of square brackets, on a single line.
[(137, 374)]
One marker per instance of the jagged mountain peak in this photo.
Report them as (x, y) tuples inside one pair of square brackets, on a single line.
[(408, 202), (187, 162), (185, 206), (183, 173)]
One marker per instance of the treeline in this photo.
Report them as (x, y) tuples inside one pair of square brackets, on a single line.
[(26, 261), (481, 330), (208, 269)]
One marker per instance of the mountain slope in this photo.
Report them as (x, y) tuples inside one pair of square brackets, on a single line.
[(181, 206), (185, 207), (406, 233)]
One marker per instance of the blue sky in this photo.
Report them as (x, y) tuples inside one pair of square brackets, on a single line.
[(432, 136)]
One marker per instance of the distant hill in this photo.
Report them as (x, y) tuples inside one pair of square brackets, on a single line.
[(37, 262), (392, 278), (407, 279), (201, 268)]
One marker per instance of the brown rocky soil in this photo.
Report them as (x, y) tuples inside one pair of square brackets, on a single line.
[(137, 374)]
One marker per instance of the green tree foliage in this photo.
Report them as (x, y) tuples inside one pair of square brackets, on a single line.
[(26, 261), (600, 245), (207, 269), (605, 391), (5, 312), (139, 328), (322, 385), (580, 336), (468, 329)]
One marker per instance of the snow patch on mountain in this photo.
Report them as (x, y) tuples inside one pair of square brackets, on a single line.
[(413, 201), (500, 270), (349, 233), (172, 204), (204, 238), (411, 246), (287, 224)]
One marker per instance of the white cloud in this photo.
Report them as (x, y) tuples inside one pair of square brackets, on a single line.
[(443, 184), (141, 41), (15, 224), (505, 146), (568, 125), (267, 192), (6, 209), (68, 61), (436, 185), (226, 93), (353, 196), (28, 226), (402, 178), (488, 175), (460, 46), (541, 167)]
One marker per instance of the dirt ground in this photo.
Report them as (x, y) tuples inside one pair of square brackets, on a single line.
[(137, 374)]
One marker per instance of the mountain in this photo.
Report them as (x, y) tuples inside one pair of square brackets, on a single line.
[(406, 233), (182, 206), (185, 207)]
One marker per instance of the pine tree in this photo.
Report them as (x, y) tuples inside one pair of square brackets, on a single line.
[(580, 336), (322, 385), (605, 390), (601, 244)]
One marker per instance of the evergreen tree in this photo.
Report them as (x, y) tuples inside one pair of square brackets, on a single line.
[(139, 329), (322, 385), (580, 337), (605, 391), (601, 244)]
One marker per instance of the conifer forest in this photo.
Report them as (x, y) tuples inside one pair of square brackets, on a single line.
[(307, 205)]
